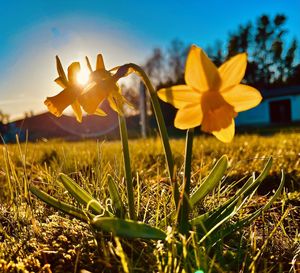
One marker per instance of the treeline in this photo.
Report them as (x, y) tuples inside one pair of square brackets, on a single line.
[(272, 59)]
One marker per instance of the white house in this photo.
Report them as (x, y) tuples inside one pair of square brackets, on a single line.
[(279, 106)]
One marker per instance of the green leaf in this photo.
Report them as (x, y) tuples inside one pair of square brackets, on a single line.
[(199, 220), (248, 188), (226, 217), (81, 195), (276, 194), (211, 181), (128, 228), (64, 207), (115, 197), (210, 219), (185, 207), (261, 177), (249, 219)]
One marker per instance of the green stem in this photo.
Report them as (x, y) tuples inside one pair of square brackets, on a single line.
[(159, 119), (185, 208), (127, 168)]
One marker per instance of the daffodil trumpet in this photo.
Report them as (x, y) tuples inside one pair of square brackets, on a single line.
[(102, 85), (69, 95)]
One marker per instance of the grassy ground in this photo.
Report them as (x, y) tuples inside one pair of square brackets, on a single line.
[(37, 238)]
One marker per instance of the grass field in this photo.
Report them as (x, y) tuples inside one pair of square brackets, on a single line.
[(36, 238)]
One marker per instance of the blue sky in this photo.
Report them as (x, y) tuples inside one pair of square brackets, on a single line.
[(32, 32)]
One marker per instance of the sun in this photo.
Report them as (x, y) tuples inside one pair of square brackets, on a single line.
[(82, 77)]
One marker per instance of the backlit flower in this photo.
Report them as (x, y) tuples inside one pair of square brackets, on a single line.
[(212, 96), (103, 85), (57, 104)]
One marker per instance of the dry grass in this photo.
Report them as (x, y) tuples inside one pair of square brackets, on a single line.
[(36, 238)]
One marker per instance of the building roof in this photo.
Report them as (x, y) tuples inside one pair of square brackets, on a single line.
[(280, 91)]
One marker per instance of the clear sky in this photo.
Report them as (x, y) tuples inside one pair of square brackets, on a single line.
[(32, 32)]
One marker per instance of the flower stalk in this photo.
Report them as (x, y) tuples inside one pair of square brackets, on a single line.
[(160, 122), (127, 167), (185, 206)]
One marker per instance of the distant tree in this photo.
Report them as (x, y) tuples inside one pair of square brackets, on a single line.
[(216, 52), (270, 61), (295, 76), (239, 42), (289, 59), (177, 53), (155, 66)]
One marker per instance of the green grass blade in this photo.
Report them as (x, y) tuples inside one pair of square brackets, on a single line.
[(115, 197), (247, 189), (128, 228), (217, 224), (199, 220), (211, 181), (261, 177), (244, 193), (53, 202), (249, 219), (277, 193), (210, 219), (266, 170), (81, 195)]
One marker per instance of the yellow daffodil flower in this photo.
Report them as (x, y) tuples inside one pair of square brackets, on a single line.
[(103, 85), (212, 96), (57, 104)]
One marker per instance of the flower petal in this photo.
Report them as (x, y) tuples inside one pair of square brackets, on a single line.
[(200, 71), (113, 105), (189, 116), (233, 70), (117, 101), (57, 104), (77, 110), (88, 64), (61, 82), (100, 112), (73, 70), (100, 63), (225, 135), (92, 97), (60, 69), (242, 97), (179, 95)]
